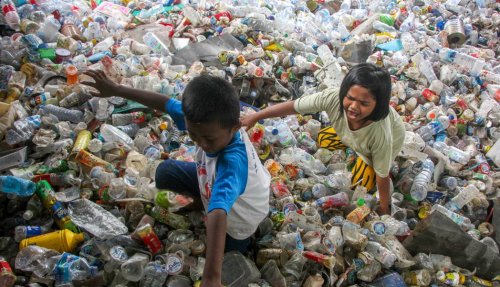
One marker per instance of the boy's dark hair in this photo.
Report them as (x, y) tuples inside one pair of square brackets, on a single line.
[(376, 80), (208, 98)]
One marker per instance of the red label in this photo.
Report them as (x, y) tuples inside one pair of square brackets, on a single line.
[(8, 8), (152, 241), (5, 267)]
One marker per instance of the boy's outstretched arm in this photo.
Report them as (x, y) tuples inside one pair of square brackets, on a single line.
[(108, 88), (216, 239), (279, 110)]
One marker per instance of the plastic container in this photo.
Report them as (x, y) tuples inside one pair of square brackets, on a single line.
[(237, 270)]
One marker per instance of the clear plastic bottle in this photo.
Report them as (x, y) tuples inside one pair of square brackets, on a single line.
[(16, 185), (10, 13), (381, 254), (472, 65), (156, 44), (418, 190), (452, 152), (382, 27), (131, 129), (62, 114), (464, 222), (102, 109), (23, 130), (332, 201), (23, 232), (410, 46), (33, 209), (465, 196), (125, 119), (428, 131), (104, 45), (111, 133)]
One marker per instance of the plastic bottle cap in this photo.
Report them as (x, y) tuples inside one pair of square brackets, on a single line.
[(360, 202), (163, 126), (275, 131)]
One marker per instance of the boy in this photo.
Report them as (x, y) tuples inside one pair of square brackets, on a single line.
[(233, 184)]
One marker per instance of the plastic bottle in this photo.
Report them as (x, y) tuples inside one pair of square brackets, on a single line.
[(428, 131), (46, 194), (33, 209), (452, 152), (149, 238), (23, 232), (418, 190), (125, 119), (381, 254), (358, 214), (16, 185), (130, 129), (332, 201), (156, 44), (463, 221), (382, 27), (62, 114), (271, 134), (71, 268), (410, 46), (7, 277), (472, 65), (61, 240), (102, 109), (10, 13), (23, 130), (113, 134), (133, 268), (154, 275), (104, 45), (465, 196)]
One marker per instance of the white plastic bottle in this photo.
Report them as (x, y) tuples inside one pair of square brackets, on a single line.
[(10, 13), (418, 190)]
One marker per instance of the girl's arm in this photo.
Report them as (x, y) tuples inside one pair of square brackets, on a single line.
[(279, 110), (384, 186)]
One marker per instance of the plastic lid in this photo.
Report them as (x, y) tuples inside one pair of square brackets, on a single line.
[(360, 202), (275, 131)]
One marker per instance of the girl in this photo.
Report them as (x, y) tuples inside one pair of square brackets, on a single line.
[(361, 118)]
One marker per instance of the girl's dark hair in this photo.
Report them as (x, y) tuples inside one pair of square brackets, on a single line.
[(208, 98), (377, 80)]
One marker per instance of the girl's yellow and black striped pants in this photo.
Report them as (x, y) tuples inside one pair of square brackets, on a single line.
[(362, 173)]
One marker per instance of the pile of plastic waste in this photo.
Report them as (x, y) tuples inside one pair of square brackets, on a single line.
[(78, 201)]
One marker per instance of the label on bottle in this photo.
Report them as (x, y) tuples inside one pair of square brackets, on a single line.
[(33, 231), (62, 270), (174, 265), (8, 8), (5, 267), (58, 211)]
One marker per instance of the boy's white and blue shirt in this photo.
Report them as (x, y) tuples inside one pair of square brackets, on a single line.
[(233, 180)]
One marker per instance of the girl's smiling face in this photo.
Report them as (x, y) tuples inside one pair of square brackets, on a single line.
[(358, 104)]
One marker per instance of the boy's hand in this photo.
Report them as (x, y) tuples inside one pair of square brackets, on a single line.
[(248, 121), (103, 84)]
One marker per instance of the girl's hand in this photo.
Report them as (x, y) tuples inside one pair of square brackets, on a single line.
[(103, 84), (248, 121)]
